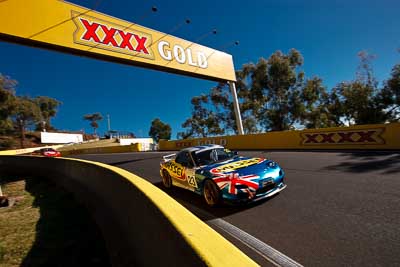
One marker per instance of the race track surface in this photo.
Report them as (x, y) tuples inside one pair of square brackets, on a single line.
[(339, 209)]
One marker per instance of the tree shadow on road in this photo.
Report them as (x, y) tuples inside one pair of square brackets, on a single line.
[(118, 163), (362, 162), (196, 204)]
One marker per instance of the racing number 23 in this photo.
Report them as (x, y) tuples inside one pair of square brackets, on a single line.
[(191, 178)]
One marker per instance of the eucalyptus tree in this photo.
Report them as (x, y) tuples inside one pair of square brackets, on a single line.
[(160, 130), (7, 103), (390, 95), (93, 118), (362, 102), (48, 109), (203, 122), (26, 113)]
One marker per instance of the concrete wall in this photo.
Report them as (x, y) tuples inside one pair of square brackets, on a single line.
[(375, 136), (146, 144), (142, 226)]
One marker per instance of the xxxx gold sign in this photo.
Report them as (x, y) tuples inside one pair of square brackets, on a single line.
[(66, 27), (236, 165), (94, 32), (349, 137)]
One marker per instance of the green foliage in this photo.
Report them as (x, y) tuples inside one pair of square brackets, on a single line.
[(93, 118), (269, 98), (390, 95), (17, 113), (283, 82), (274, 94), (204, 120), (26, 113), (159, 130), (48, 109), (361, 101), (318, 108), (7, 103), (6, 143)]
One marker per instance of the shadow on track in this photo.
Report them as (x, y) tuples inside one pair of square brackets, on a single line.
[(118, 163), (362, 162), (196, 204), (66, 235)]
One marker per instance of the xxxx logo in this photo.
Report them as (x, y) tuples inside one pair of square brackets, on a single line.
[(369, 136), (97, 33)]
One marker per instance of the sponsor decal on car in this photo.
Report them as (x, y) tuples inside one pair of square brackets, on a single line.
[(231, 181), (191, 177), (230, 167), (176, 169)]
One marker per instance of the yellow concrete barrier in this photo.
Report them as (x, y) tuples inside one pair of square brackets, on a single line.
[(373, 136), (141, 225), (100, 150), (26, 150)]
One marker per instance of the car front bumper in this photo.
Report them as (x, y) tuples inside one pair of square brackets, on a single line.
[(245, 197)]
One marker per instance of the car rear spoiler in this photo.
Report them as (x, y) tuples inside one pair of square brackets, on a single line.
[(169, 157)]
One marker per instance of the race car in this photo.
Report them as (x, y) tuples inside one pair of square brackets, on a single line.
[(47, 152), (220, 175)]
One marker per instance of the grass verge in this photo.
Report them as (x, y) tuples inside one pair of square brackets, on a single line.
[(45, 226)]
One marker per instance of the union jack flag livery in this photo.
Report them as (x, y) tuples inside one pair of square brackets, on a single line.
[(233, 179)]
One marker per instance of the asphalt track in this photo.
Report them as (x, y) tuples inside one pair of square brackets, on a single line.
[(339, 209)]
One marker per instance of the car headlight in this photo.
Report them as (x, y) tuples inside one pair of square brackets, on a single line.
[(272, 164)]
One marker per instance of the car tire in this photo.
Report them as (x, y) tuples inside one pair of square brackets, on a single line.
[(166, 179), (211, 193)]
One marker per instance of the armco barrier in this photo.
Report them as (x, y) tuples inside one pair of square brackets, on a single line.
[(374, 136), (142, 225)]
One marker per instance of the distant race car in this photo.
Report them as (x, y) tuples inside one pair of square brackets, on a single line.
[(47, 152), (221, 175)]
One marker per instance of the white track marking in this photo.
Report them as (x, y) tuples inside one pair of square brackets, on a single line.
[(269, 253)]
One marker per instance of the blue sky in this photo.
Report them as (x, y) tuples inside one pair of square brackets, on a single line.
[(329, 34)]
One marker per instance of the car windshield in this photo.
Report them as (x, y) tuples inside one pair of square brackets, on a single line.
[(212, 156)]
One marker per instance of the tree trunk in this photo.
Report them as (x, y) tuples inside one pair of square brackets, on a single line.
[(22, 130)]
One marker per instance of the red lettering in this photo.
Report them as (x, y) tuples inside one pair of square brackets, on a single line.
[(327, 138), (141, 41), (311, 138), (90, 30), (345, 137), (366, 136), (109, 38), (126, 40)]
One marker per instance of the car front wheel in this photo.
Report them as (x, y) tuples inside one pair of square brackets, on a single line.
[(211, 192)]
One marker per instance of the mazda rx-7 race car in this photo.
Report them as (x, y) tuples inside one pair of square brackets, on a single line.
[(221, 175)]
